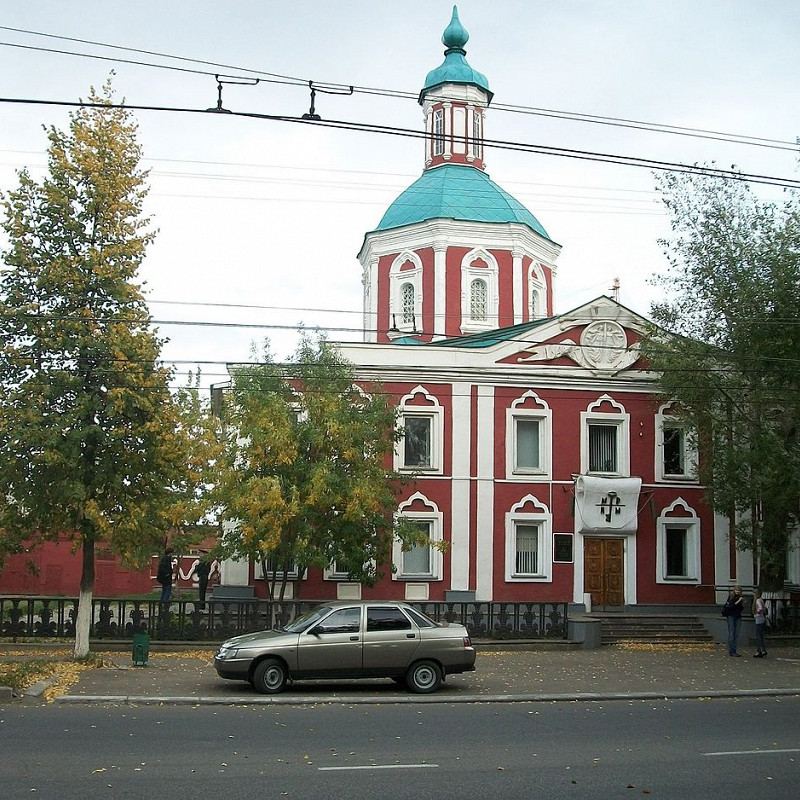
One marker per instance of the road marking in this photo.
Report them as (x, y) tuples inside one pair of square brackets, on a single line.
[(380, 766), (751, 752)]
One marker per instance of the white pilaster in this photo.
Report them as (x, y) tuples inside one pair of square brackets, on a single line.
[(484, 511), (460, 499), (519, 300)]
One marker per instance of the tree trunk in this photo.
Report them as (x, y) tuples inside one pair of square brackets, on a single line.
[(84, 620)]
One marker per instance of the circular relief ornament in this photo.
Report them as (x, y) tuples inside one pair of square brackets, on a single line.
[(603, 344)]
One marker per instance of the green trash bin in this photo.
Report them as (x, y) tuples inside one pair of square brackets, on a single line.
[(141, 649)]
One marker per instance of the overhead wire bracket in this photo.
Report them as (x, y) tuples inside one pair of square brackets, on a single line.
[(312, 112), (226, 80)]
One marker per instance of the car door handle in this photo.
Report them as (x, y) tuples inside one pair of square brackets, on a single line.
[(354, 638), (411, 636)]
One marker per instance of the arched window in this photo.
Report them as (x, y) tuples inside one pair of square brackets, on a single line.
[(407, 307), (405, 294), (478, 300)]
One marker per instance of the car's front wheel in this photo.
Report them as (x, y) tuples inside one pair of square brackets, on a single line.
[(424, 677), (270, 676)]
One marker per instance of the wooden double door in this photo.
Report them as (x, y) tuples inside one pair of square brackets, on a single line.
[(604, 572)]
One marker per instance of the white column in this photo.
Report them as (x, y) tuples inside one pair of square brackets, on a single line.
[(439, 289), (460, 499), (370, 281), (519, 300), (484, 512)]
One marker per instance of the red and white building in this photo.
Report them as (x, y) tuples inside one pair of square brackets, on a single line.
[(543, 455)]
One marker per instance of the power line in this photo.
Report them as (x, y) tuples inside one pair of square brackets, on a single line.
[(572, 116), (362, 127)]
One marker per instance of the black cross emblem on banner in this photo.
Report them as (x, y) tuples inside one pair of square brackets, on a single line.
[(610, 505)]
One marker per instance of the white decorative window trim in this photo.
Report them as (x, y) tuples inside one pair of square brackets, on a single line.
[(541, 517), (430, 409), (690, 458), (537, 292), (542, 412), (488, 274), (431, 515), (620, 420), (398, 277), (688, 521)]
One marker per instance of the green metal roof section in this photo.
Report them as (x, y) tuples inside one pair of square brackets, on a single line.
[(478, 340), (458, 192), (454, 68)]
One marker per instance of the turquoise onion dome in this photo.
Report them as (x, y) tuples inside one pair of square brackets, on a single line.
[(457, 192), (455, 68)]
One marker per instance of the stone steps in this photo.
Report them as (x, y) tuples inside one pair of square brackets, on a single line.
[(653, 630)]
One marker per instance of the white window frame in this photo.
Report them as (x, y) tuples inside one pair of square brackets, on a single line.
[(477, 134), (431, 516), (437, 132), (665, 421), (431, 410), (292, 574), (688, 521), (621, 422), (399, 277), (537, 293), (540, 516), (520, 410), (488, 274)]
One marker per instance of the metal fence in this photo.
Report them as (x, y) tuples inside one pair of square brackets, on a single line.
[(187, 620)]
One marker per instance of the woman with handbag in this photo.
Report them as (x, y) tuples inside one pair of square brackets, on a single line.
[(760, 617)]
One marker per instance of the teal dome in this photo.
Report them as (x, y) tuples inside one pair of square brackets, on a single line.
[(457, 192), (455, 68)]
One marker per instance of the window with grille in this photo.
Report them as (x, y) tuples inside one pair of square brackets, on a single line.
[(526, 557), (478, 300), (603, 453), (407, 303)]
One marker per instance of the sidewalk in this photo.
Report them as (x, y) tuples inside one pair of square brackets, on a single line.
[(611, 672)]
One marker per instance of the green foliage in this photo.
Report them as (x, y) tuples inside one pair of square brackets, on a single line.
[(733, 299), (305, 473), (94, 444)]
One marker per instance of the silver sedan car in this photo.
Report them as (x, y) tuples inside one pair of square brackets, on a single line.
[(350, 640)]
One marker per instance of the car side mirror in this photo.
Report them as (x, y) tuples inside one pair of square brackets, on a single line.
[(317, 630)]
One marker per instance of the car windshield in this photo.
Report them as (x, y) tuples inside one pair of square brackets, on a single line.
[(306, 620)]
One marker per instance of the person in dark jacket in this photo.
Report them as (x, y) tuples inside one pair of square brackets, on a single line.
[(734, 606), (165, 574), (202, 570)]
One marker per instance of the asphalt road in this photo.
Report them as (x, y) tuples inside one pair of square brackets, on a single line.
[(730, 749)]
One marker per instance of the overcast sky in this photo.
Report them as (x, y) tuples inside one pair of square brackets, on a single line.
[(272, 214)]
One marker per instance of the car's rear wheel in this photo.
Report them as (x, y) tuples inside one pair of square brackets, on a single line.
[(424, 677), (270, 676)]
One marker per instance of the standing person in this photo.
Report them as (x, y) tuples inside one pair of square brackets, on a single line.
[(760, 617), (202, 570), (733, 608), (164, 575)]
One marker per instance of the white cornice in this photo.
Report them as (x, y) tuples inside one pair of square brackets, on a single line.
[(512, 236)]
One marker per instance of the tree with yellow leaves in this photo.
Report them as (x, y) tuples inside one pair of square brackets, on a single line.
[(305, 480), (94, 444)]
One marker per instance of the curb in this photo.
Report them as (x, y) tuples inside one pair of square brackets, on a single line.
[(425, 699)]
